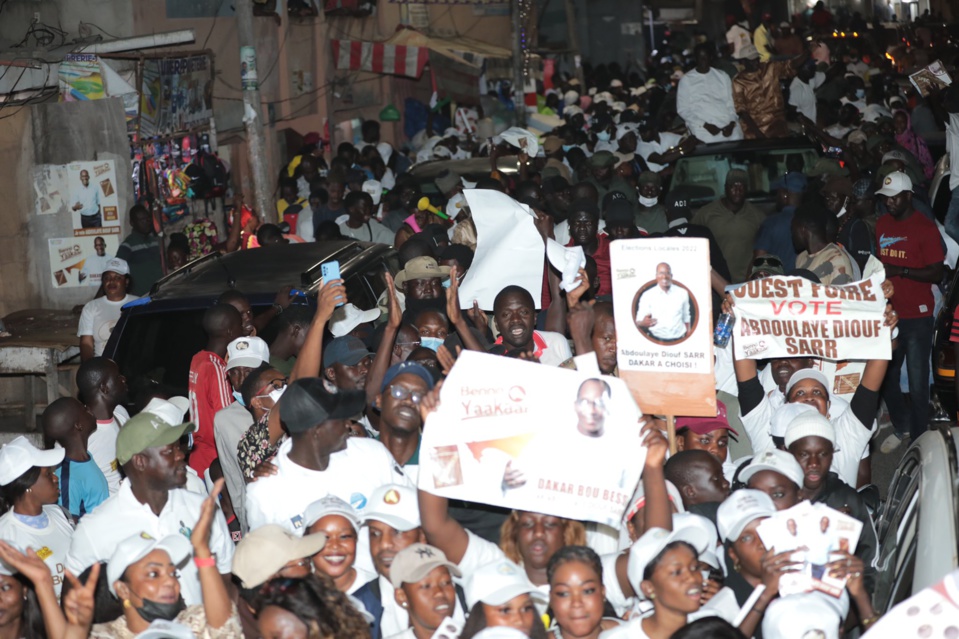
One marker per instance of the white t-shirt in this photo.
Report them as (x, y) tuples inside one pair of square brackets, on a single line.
[(666, 142), (738, 37), (375, 233), (122, 516), (557, 348), (352, 475), (670, 309), (93, 268), (51, 543), (304, 224), (103, 447), (802, 95), (98, 318), (708, 97)]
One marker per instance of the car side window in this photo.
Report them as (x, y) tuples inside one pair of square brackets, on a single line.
[(897, 536)]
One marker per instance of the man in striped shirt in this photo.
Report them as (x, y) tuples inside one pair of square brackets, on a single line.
[(209, 389)]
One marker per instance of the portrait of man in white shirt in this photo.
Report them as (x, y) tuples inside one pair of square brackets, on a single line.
[(664, 311)]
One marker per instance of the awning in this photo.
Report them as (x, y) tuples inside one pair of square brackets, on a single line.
[(379, 57)]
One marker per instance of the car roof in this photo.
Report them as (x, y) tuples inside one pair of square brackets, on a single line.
[(469, 167), (261, 270)]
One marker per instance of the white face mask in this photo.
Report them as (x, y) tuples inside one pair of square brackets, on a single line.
[(648, 202), (842, 211), (455, 204), (276, 394)]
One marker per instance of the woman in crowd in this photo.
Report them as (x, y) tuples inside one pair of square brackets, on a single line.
[(423, 579), (338, 521), (142, 573), (30, 491), (499, 595), (20, 603), (577, 597), (306, 609)]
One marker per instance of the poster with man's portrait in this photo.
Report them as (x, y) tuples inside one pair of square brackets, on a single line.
[(93, 200), (79, 261), (663, 312)]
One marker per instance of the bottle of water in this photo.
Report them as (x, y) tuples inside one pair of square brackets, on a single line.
[(724, 330)]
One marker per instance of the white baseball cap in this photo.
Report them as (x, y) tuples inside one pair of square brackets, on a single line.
[(739, 509), (172, 411), (395, 505), (250, 352), (690, 520), (133, 549), (807, 373), (793, 616), (810, 425), (778, 461), (19, 456), (496, 583), (653, 541), (416, 561), (374, 189), (330, 505), (117, 265), (348, 317), (500, 632), (894, 184), (785, 414)]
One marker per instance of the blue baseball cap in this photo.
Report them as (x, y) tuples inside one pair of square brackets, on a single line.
[(347, 350), (412, 368)]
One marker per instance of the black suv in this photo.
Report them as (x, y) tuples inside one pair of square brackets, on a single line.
[(159, 334)]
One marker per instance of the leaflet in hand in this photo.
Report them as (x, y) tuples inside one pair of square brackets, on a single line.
[(816, 532), (930, 77)]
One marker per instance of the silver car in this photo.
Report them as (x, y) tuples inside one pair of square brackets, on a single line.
[(918, 525)]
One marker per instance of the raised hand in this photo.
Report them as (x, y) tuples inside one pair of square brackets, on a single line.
[(28, 564), (79, 602), (574, 296), (656, 445), (453, 299), (394, 317), (330, 294)]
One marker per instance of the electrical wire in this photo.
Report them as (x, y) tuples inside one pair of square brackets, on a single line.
[(216, 15)]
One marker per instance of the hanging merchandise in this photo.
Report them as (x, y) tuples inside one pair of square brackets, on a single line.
[(201, 237)]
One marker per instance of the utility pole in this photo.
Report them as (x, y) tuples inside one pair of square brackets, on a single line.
[(519, 64), (253, 112), (572, 37)]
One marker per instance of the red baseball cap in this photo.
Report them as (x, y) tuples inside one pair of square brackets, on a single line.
[(703, 425)]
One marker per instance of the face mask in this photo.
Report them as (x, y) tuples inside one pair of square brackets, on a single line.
[(603, 136), (860, 94), (842, 211), (648, 202), (238, 396), (455, 204), (568, 147), (446, 284), (432, 343), (151, 611)]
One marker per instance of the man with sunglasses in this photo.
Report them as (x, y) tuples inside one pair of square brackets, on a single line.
[(403, 388)]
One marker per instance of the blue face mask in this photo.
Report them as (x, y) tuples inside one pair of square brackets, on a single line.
[(860, 94), (603, 136), (238, 396), (567, 147), (432, 343)]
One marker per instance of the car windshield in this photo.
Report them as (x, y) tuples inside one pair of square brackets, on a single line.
[(703, 176)]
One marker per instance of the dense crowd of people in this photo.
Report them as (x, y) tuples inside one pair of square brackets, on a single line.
[(278, 497)]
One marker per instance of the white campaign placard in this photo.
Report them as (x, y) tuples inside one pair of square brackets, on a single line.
[(93, 200), (662, 305), (509, 249), (532, 437), (794, 317)]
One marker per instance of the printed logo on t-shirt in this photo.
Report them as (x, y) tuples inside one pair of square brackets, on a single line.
[(297, 522), (886, 242), (358, 500), (114, 465), (44, 552)]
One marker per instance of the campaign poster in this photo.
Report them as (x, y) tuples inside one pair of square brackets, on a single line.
[(662, 309), (176, 94), (93, 199), (531, 437), (779, 317), (79, 261), (80, 78), (50, 189)]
